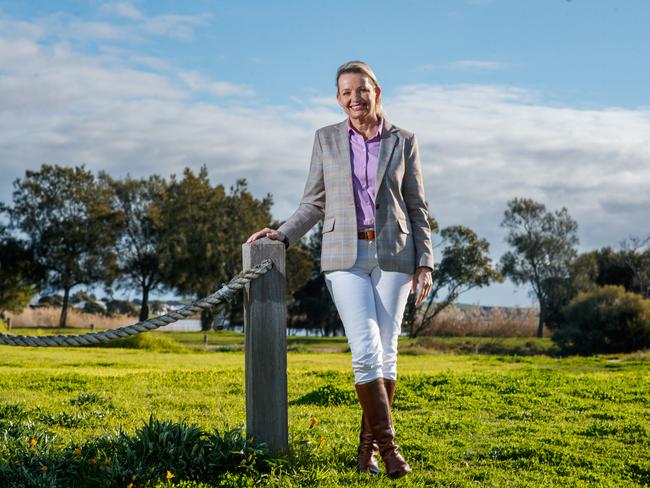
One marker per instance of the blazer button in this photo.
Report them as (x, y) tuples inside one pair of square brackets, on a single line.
[(377, 206)]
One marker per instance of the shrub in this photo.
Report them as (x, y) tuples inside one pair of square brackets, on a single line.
[(151, 341), (123, 307), (50, 301), (605, 320)]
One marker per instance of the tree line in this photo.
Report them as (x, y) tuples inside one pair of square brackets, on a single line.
[(597, 301), (73, 228), (69, 228)]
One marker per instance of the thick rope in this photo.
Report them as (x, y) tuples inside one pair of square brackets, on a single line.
[(225, 293)]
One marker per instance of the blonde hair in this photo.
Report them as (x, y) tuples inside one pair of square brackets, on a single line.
[(363, 69)]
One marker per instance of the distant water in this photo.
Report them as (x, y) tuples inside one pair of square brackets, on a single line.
[(182, 326), (195, 326)]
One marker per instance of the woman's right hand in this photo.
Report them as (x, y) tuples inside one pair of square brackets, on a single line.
[(266, 232)]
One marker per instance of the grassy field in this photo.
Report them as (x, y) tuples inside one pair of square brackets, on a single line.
[(461, 419)]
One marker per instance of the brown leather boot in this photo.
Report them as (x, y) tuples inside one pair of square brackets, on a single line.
[(390, 390), (367, 459), (376, 409)]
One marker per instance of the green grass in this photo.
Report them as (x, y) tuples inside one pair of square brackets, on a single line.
[(461, 419), (233, 341)]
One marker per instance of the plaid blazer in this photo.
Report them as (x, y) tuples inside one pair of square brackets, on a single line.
[(403, 235)]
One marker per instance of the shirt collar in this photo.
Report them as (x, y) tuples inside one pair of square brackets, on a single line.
[(380, 128)]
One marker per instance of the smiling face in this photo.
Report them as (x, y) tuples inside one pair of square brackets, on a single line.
[(358, 96)]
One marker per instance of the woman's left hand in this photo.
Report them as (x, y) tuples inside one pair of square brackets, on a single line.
[(422, 282)]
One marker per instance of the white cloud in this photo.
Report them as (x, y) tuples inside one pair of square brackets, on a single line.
[(468, 65), (174, 26), (199, 83), (476, 65), (482, 146), (122, 9), (134, 27)]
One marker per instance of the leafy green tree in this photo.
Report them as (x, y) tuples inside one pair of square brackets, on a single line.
[(465, 264), (244, 215), (204, 230), (544, 246), (20, 274), (140, 243), (69, 218), (637, 256)]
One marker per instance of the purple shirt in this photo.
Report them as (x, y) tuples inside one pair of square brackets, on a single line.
[(364, 156)]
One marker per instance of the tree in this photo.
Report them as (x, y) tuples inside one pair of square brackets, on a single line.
[(628, 267), (544, 246), (299, 267), (313, 300), (465, 264), (244, 215), (636, 256), (204, 231), (140, 243), (69, 218), (20, 274)]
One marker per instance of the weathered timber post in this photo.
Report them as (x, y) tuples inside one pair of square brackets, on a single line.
[(265, 327)]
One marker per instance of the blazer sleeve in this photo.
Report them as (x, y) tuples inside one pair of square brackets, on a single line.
[(416, 205), (312, 204)]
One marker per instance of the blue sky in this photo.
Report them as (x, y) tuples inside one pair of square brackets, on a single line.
[(545, 99)]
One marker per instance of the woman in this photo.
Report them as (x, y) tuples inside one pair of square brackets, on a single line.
[(365, 182)]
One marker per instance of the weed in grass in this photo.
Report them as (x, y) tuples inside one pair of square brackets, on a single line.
[(640, 473), (327, 396), (89, 398), (328, 374), (12, 411), (65, 419), (599, 429)]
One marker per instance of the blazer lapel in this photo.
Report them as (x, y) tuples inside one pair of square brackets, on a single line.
[(386, 147), (342, 142)]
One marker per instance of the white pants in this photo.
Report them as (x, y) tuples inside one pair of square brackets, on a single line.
[(371, 304)]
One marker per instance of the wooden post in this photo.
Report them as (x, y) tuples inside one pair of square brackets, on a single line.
[(8, 323), (265, 328)]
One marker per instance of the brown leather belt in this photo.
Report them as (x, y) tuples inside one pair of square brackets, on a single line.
[(368, 235)]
